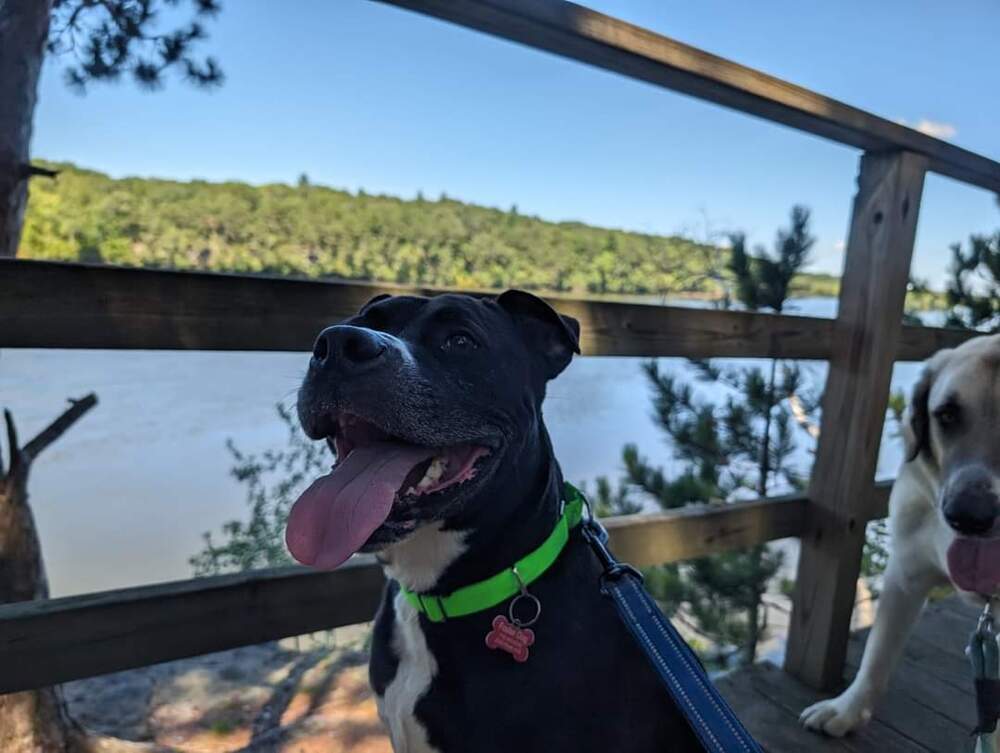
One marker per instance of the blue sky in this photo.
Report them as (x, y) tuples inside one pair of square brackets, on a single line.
[(362, 95)]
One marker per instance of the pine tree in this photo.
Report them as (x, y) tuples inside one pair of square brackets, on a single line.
[(973, 288), (110, 38), (609, 501), (733, 448), (102, 40)]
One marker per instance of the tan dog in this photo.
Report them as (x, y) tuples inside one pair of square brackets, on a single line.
[(943, 515)]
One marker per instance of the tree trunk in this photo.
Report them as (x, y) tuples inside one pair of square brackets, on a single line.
[(24, 28), (36, 721), (765, 451), (749, 648)]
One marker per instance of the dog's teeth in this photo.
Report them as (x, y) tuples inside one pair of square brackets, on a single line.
[(434, 473), (438, 467)]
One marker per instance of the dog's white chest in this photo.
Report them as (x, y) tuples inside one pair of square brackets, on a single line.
[(414, 673)]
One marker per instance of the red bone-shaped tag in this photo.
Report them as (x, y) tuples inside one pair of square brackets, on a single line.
[(508, 637)]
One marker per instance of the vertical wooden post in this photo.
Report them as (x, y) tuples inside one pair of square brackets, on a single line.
[(866, 336)]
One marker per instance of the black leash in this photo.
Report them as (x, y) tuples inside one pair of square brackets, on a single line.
[(678, 667)]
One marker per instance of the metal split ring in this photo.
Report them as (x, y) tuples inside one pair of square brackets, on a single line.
[(526, 595), (534, 601)]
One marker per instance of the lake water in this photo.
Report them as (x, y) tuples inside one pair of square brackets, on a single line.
[(123, 498)]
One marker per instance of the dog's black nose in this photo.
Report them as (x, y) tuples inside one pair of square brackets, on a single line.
[(347, 347), (970, 504)]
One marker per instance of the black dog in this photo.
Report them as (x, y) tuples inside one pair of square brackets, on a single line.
[(446, 471)]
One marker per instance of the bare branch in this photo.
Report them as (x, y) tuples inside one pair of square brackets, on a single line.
[(43, 172), (28, 170), (53, 431), (12, 448)]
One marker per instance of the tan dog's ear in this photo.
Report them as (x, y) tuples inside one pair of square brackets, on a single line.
[(916, 422)]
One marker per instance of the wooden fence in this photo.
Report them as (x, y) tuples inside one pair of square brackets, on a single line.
[(77, 306)]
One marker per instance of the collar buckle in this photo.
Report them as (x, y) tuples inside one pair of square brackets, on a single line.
[(433, 607)]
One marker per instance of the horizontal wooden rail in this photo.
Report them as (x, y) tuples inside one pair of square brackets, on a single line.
[(699, 530), (55, 305), (47, 642), (576, 32)]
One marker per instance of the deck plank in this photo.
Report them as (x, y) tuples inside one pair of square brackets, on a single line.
[(748, 689), (929, 707), (771, 723), (930, 659), (924, 710)]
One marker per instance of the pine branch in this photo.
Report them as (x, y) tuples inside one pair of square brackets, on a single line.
[(775, 605), (691, 625), (107, 38)]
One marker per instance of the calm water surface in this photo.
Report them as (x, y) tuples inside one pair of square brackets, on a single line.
[(123, 498)]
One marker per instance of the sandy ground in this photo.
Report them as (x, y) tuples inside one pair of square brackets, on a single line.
[(304, 695), (309, 695)]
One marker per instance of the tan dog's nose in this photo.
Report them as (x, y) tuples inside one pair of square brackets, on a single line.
[(970, 503)]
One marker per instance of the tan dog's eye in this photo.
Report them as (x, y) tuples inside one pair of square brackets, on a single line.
[(948, 415)]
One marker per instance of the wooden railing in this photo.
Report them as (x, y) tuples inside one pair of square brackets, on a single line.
[(46, 642), (55, 305), (576, 32), (76, 306)]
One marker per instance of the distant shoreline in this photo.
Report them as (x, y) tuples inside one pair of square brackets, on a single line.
[(316, 232)]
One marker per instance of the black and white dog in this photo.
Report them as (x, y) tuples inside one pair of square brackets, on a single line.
[(445, 470)]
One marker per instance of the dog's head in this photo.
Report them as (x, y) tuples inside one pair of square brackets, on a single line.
[(421, 400), (953, 426)]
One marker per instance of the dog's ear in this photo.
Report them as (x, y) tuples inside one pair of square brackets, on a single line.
[(553, 336), (916, 422), (372, 301)]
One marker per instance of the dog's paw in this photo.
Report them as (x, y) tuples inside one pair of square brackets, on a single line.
[(835, 717)]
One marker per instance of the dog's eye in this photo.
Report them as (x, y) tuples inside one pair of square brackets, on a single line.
[(948, 415), (460, 341)]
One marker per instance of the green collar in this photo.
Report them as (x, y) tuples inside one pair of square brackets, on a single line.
[(494, 590)]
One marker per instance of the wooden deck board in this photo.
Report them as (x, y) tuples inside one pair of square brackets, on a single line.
[(929, 707)]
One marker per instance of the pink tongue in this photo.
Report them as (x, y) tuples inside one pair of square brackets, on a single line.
[(974, 564), (335, 516)]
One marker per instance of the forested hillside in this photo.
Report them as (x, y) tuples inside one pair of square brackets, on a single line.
[(314, 231)]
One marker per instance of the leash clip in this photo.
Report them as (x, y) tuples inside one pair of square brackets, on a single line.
[(984, 655), (597, 536), (984, 628)]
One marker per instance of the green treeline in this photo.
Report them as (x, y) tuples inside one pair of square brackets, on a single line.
[(314, 231)]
